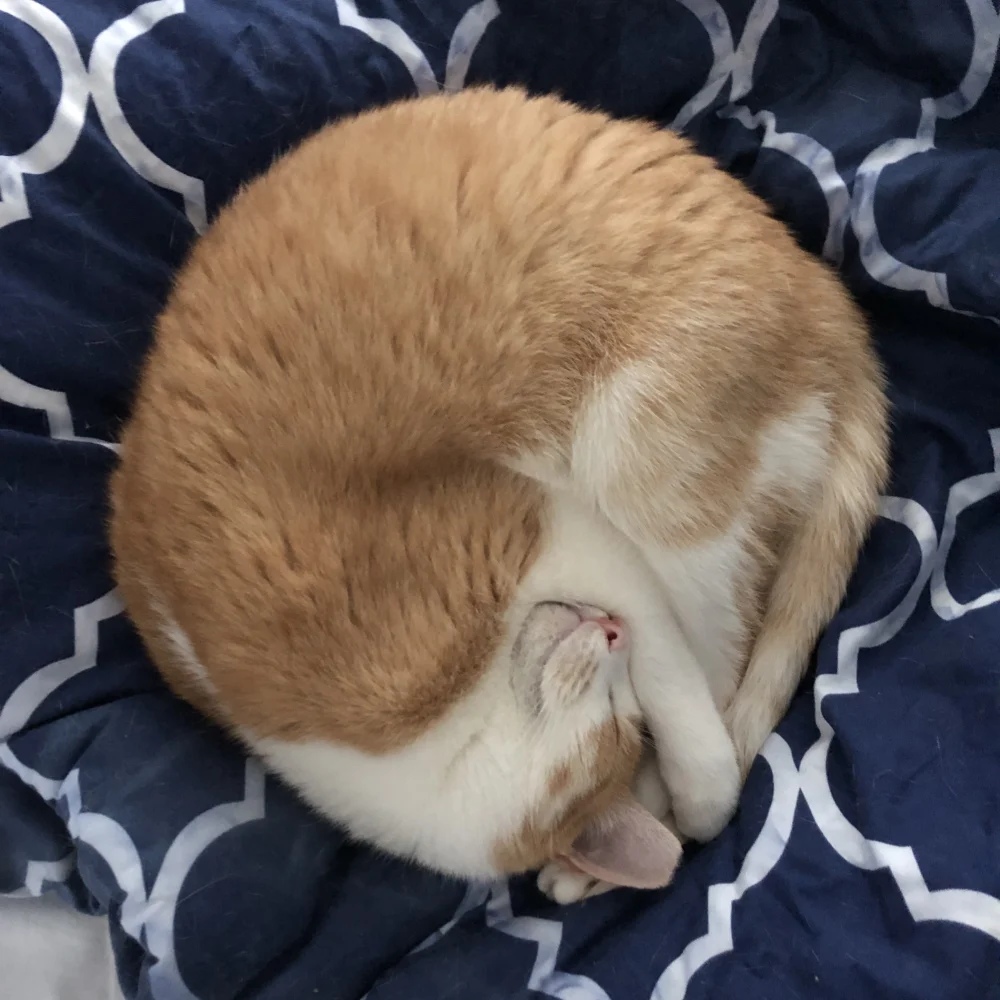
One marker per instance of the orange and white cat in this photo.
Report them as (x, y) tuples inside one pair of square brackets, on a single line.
[(477, 434)]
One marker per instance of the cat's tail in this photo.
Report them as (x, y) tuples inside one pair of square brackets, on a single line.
[(813, 574)]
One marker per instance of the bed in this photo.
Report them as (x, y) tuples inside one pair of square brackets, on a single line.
[(864, 861)]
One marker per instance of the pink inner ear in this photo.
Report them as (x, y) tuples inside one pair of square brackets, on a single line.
[(627, 846)]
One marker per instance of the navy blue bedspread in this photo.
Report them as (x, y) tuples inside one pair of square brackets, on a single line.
[(865, 859)]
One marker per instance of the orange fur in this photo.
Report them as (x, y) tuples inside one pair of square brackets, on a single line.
[(319, 474)]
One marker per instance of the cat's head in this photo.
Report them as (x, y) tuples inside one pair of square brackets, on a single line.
[(536, 762)]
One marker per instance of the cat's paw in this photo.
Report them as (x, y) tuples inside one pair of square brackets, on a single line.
[(705, 800), (564, 885)]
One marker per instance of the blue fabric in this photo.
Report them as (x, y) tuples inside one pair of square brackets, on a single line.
[(865, 859)]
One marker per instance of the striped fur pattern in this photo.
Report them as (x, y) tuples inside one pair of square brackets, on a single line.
[(481, 439)]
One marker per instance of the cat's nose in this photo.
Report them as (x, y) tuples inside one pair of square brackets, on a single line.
[(614, 630)]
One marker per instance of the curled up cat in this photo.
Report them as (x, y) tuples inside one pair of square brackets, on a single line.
[(478, 437)]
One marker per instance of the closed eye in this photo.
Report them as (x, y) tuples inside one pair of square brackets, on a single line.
[(553, 646)]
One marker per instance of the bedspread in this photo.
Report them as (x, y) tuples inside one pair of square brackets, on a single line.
[(865, 858)]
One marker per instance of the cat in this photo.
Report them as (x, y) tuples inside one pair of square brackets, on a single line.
[(479, 435)]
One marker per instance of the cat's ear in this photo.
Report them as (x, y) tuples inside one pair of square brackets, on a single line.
[(627, 846)]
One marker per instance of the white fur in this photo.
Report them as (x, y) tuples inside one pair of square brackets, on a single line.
[(588, 560), (704, 633), (422, 801), (564, 886), (180, 643), (701, 580), (794, 451), (700, 584), (615, 430), (448, 809)]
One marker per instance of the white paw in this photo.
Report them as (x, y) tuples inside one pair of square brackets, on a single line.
[(565, 885), (704, 801)]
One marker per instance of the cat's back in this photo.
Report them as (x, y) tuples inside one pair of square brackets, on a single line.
[(460, 240)]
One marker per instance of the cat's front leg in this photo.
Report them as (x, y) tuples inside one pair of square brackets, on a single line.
[(696, 755)]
